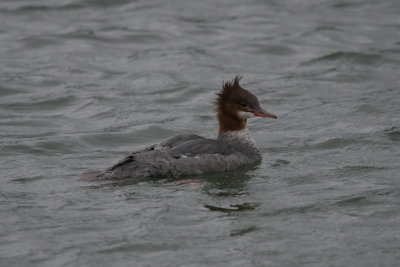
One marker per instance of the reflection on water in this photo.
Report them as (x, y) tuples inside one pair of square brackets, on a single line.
[(232, 183)]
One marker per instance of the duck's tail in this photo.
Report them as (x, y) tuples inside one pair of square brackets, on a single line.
[(92, 176)]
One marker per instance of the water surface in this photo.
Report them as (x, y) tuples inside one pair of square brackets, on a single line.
[(84, 82)]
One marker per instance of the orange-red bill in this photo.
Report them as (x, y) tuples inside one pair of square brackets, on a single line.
[(262, 113)]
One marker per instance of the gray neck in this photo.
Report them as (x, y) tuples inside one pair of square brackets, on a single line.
[(241, 138)]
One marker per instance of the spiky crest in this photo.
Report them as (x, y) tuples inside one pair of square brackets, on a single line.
[(227, 88)]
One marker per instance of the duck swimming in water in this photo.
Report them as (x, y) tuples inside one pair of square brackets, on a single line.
[(192, 154)]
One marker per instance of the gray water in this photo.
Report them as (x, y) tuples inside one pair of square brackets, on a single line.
[(83, 82)]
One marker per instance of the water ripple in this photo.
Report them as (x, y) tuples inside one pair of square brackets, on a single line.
[(83, 82)]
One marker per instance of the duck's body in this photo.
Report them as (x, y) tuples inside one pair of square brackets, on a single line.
[(192, 154)]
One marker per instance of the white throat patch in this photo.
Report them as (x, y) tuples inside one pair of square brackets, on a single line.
[(245, 115)]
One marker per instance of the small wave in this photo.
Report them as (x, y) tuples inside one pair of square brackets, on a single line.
[(393, 134), (356, 200), (43, 147), (45, 105), (293, 210), (354, 57), (9, 91), (26, 180), (335, 143), (41, 8), (356, 170)]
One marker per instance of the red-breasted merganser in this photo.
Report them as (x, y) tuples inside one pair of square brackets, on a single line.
[(192, 154)]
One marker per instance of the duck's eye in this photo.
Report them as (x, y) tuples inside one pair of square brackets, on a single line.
[(243, 104)]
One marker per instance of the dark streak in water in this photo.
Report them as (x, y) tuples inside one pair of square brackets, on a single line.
[(243, 231), (353, 57), (234, 207), (393, 134)]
